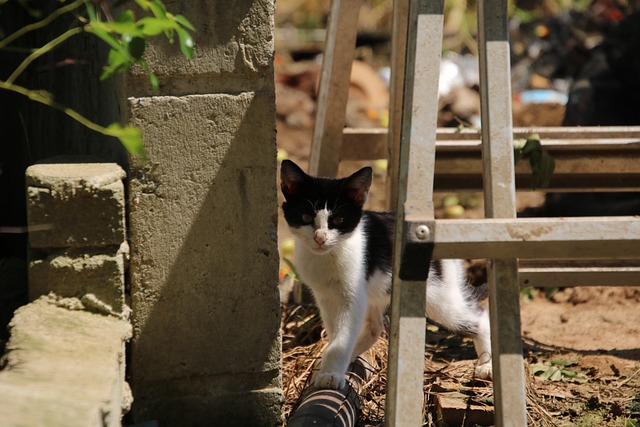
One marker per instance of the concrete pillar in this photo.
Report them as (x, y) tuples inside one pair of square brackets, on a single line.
[(206, 348)]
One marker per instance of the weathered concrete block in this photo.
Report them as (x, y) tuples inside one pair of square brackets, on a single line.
[(204, 258), (76, 274), (63, 367), (261, 408), (234, 48), (75, 205)]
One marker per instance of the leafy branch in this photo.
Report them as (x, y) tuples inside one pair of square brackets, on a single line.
[(129, 136), (127, 38)]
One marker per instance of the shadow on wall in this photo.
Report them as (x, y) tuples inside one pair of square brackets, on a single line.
[(204, 263)]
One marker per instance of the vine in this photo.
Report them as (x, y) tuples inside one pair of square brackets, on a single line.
[(127, 38)]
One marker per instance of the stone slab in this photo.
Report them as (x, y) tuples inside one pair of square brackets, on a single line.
[(75, 205), (63, 367)]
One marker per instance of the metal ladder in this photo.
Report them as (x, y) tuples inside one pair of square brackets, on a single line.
[(500, 237)]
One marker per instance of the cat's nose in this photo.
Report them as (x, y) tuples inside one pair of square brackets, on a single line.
[(320, 238)]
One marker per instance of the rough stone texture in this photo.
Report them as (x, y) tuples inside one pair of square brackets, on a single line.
[(63, 367), (75, 274), (204, 262), (75, 205), (233, 50), (206, 348)]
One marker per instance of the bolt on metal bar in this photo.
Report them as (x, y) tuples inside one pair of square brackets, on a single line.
[(405, 374)]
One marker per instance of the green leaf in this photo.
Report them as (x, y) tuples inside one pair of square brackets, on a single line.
[(557, 375), (91, 12), (186, 43), (130, 137), (542, 167), (158, 9), (144, 4), (116, 63), (136, 47), (154, 81), (154, 26), (126, 16), (184, 22), (532, 145), (99, 30), (122, 28)]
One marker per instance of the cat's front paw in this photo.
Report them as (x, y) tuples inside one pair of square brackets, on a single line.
[(330, 380), (484, 371)]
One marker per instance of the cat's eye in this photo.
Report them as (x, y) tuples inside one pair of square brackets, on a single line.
[(337, 220), (307, 218)]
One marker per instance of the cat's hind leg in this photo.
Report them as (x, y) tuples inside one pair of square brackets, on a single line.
[(482, 344), (452, 303)]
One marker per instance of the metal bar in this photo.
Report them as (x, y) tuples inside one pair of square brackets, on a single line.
[(500, 202), (405, 397), (391, 141), (561, 277), (581, 165), (558, 132), (631, 133), (334, 87), (564, 238)]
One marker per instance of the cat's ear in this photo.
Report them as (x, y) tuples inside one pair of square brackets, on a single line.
[(357, 185), (291, 178)]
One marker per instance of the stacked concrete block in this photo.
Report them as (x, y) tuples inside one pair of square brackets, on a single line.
[(77, 232), (64, 367), (206, 347)]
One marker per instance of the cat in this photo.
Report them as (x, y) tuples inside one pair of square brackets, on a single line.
[(344, 254)]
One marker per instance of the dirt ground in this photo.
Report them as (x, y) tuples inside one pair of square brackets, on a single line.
[(582, 345)]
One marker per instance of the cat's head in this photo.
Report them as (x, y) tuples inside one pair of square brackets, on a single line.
[(322, 212)]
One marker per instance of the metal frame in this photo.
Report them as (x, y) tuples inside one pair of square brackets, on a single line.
[(426, 158)]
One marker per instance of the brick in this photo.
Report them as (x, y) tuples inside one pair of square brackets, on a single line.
[(75, 205), (453, 409)]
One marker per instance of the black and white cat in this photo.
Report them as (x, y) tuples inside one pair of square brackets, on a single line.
[(343, 253)]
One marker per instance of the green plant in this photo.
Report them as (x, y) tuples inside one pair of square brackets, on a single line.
[(541, 162), (557, 370), (125, 35)]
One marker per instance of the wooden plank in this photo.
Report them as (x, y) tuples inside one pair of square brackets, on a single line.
[(564, 238), (405, 396), (334, 87), (500, 202)]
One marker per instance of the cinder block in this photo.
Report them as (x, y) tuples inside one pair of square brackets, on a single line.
[(204, 259), (75, 205), (76, 274), (230, 38), (63, 368), (259, 408)]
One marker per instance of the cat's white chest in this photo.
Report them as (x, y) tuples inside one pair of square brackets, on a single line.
[(343, 264)]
